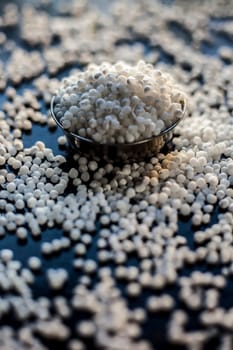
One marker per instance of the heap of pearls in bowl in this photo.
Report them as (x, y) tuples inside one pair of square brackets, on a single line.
[(118, 103)]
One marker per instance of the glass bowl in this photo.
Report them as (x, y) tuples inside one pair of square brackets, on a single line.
[(123, 152)]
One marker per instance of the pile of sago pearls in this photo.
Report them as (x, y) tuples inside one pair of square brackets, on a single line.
[(119, 103)]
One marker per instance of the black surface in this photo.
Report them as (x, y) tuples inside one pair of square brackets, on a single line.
[(155, 327)]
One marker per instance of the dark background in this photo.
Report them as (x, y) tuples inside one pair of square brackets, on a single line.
[(155, 327)]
